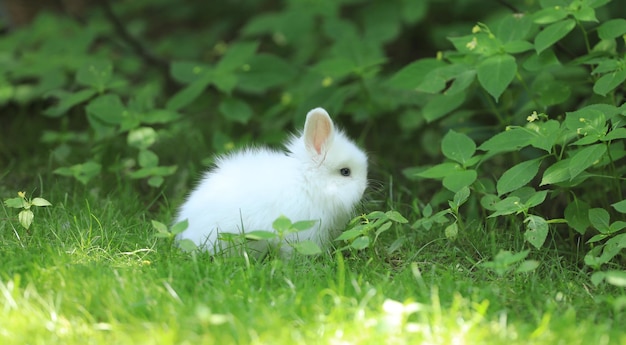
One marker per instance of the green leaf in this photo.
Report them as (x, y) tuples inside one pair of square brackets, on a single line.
[(509, 140), (142, 137), (620, 206), (609, 82), (336, 67), (360, 243), (260, 235), (585, 158), (441, 105), (188, 72), (155, 181), (304, 224), (552, 33), (549, 15), (180, 227), (159, 227), (517, 176), (509, 205), (307, 247), (458, 147), (266, 71), (536, 198), (557, 172), (25, 218), (107, 108), (516, 47), (350, 234), (545, 134), (82, 172), (282, 224), (16, 203), (40, 202), (188, 94), (235, 110), (617, 278), (536, 230), (599, 219), (396, 217), (527, 266), (148, 159), (496, 73), (459, 198), (611, 29), (440, 170), (413, 74), (187, 245), (451, 231), (460, 179), (237, 55), (67, 100), (576, 214)]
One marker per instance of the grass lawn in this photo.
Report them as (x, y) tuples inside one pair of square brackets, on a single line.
[(90, 271)]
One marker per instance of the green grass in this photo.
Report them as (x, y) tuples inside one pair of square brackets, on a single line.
[(91, 272)]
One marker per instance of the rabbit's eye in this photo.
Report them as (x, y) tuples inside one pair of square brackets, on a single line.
[(344, 171)]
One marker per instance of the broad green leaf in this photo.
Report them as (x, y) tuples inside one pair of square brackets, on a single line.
[(585, 14), (549, 15), (436, 80), (307, 247), (236, 56), (513, 28), (488, 201), (187, 245), (552, 92), (281, 224), (188, 72), (527, 266), (386, 226), (225, 81), (265, 71), (25, 218), (609, 82), (108, 109), (451, 231), (188, 94), (509, 140), (585, 158), (147, 159), (510, 205), (460, 198), (82, 172), (160, 116), (360, 243), (536, 230), (67, 100), (260, 235), (235, 110), (155, 181), (557, 172), (40, 202), (413, 74), (536, 198), (577, 216), (350, 234), (599, 219), (458, 147), (617, 133), (517, 176), (460, 179), (441, 105), (16, 203), (612, 28), (545, 134), (516, 47), (153, 171), (496, 73), (304, 224), (396, 217), (617, 278), (552, 33), (339, 67), (180, 227), (440, 170), (461, 82), (142, 137), (159, 227), (617, 226), (620, 206)]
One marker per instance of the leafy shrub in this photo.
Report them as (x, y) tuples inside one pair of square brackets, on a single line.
[(528, 101)]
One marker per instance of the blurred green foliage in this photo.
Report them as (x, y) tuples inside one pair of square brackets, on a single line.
[(516, 106)]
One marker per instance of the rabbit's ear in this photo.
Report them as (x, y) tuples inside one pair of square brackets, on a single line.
[(318, 131)]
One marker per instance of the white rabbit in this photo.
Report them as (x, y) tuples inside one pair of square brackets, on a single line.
[(321, 177)]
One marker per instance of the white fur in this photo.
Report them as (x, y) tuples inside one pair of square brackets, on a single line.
[(248, 190)]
